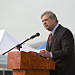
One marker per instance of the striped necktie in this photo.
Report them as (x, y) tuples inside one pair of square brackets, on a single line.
[(50, 38)]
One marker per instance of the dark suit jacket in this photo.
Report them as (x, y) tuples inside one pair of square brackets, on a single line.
[(62, 48)]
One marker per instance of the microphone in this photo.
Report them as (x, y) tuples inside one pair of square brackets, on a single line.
[(18, 46), (37, 34)]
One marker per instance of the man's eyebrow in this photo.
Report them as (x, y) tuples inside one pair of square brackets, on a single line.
[(45, 19)]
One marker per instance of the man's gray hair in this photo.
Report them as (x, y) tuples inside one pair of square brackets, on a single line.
[(50, 15)]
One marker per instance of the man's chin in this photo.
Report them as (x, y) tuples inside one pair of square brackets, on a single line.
[(47, 28)]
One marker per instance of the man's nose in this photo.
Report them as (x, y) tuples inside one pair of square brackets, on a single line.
[(44, 23)]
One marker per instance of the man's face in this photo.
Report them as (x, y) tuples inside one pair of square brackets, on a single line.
[(48, 22)]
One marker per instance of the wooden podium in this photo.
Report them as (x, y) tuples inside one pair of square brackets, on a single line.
[(24, 63)]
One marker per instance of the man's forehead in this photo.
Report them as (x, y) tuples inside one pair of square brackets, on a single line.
[(45, 17)]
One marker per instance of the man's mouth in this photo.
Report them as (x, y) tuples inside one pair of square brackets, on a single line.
[(45, 25)]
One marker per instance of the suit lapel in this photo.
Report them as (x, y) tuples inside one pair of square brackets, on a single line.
[(54, 36)]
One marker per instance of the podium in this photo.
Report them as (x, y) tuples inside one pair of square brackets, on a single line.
[(24, 63)]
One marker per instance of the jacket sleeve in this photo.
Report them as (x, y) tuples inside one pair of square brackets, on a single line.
[(67, 46)]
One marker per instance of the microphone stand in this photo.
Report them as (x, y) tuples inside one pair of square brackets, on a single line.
[(18, 46)]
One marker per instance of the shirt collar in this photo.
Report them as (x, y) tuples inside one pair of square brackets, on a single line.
[(54, 29)]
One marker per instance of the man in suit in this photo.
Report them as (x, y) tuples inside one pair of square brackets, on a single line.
[(60, 45)]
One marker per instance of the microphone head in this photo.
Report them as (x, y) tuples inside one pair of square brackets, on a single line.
[(37, 34)]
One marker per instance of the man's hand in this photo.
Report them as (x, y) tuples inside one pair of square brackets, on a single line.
[(45, 53), (32, 52)]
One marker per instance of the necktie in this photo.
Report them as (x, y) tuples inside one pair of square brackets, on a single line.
[(50, 38)]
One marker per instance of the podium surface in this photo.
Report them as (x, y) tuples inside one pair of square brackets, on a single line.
[(24, 63)]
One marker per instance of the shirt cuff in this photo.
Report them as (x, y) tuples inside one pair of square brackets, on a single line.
[(51, 54)]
